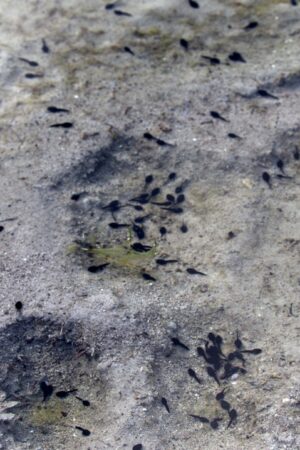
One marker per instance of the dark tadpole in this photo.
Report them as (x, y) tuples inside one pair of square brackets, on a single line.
[(113, 206), (128, 50), (33, 75), (193, 375), (212, 373), (184, 44), (266, 94), (116, 225), (149, 179), (65, 394), (84, 431), (177, 343), (213, 60), (232, 417), (29, 62), (137, 447), (97, 269), (110, 6), (164, 262), (62, 125), (163, 231), (215, 423), (84, 402), (236, 57), (174, 210), (238, 343), (170, 198), (180, 198), (54, 110), (118, 12), (254, 351), (138, 247), (294, 2), (200, 418), (138, 231), (172, 176), (148, 277), (225, 405), (201, 353), (236, 355), (155, 192), (251, 25), (194, 4), (193, 271), (216, 115), (280, 165), (45, 47), (165, 404), (142, 198), (296, 154), (18, 306), (220, 395), (47, 390), (183, 228), (233, 136), (75, 197), (267, 179)]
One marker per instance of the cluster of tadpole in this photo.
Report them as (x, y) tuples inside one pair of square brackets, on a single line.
[(220, 367)]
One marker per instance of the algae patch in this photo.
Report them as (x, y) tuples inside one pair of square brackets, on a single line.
[(118, 255)]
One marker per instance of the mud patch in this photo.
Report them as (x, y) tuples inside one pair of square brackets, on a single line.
[(35, 350)]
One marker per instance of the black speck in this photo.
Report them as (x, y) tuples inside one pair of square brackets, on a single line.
[(230, 235), (236, 57), (18, 306)]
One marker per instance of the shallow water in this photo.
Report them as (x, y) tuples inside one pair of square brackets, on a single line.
[(108, 331)]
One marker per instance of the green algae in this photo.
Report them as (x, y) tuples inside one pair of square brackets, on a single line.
[(118, 255)]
